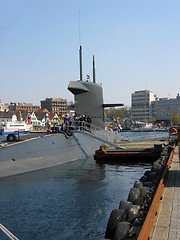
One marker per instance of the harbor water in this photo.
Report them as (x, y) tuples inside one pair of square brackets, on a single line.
[(70, 201)]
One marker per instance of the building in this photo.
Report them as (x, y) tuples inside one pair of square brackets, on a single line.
[(5, 117), (4, 106), (55, 105), (27, 107), (141, 105), (164, 109)]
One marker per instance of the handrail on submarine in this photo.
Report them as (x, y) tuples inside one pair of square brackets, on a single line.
[(8, 233), (100, 134), (108, 137)]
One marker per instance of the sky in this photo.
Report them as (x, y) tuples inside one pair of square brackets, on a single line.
[(136, 44)]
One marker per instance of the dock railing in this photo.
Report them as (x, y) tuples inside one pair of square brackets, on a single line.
[(150, 218), (109, 137), (178, 140)]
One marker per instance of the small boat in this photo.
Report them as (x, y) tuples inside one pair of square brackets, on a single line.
[(135, 154)]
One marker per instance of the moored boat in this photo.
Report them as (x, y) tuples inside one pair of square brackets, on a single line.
[(134, 154), (173, 134)]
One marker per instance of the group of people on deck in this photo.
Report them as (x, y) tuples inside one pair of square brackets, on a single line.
[(75, 122), (78, 122)]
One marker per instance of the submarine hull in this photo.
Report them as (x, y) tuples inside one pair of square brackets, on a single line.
[(46, 151)]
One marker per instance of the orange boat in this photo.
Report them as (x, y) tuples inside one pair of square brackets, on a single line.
[(173, 134)]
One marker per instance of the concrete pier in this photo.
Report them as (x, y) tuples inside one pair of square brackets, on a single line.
[(167, 223)]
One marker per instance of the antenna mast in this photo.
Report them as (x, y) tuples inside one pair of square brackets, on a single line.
[(80, 62), (80, 50), (94, 74), (79, 28)]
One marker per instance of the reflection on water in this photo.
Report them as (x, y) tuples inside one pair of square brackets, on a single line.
[(71, 201)]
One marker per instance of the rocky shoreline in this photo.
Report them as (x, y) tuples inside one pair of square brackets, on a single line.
[(127, 220)]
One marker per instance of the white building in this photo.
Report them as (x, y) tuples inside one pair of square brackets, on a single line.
[(141, 105), (4, 106)]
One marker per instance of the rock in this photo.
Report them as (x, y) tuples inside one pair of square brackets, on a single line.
[(133, 212), (133, 194), (138, 184), (144, 178), (125, 204), (117, 215), (122, 231)]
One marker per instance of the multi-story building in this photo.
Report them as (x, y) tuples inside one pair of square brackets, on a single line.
[(165, 108), (27, 107), (55, 105), (141, 105)]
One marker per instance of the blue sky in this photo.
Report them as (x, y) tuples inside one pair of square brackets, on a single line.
[(136, 44)]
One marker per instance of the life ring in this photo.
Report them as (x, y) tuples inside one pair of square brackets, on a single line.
[(173, 131)]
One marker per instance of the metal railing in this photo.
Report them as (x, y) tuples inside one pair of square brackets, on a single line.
[(8, 233), (150, 218), (98, 133)]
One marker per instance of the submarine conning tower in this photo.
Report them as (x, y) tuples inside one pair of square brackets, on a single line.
[(88, 100), (88, 97)]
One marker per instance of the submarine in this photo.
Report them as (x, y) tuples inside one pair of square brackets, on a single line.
[(49, 150)]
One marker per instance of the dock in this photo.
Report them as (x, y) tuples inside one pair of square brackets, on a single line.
[(142, 144), (167, 222)]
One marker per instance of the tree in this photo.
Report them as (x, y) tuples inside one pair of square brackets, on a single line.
[(114, 113), (176, 120)]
